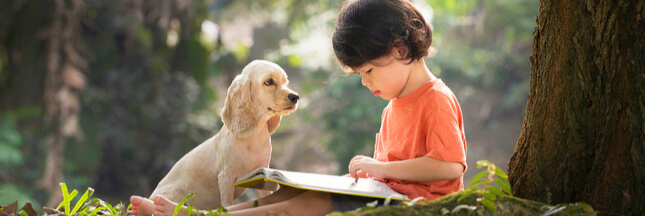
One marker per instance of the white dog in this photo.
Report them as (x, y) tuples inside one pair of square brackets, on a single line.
[(255, 103)]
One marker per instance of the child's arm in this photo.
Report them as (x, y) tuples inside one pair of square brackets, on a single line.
[(417, 169)]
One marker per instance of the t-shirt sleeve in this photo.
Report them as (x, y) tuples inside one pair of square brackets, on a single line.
[(445, 141)]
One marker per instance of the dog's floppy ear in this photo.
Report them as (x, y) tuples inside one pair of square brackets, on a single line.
[(273, 123), (237, 115)]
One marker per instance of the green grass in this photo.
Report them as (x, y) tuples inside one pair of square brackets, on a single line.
[(86, 206)]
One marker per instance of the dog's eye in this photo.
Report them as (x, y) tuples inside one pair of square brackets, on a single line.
[(268, 82)]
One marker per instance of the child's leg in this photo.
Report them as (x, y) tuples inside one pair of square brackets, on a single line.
[(144, 207), (283, 194), (306, 203)]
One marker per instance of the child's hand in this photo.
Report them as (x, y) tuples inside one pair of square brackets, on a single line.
[(366, 164)]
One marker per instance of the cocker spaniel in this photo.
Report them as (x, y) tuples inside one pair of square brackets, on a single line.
[(255, 103)]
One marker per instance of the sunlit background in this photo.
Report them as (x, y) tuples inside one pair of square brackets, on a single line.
[(115, 92)]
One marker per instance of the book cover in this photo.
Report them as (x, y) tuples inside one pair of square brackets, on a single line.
[(269, 179)]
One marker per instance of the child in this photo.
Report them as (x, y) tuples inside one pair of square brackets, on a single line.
[(421, 148)]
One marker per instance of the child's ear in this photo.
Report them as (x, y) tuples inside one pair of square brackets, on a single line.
[(399, 52)]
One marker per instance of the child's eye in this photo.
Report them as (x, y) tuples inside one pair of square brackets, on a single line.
[(369, 71)]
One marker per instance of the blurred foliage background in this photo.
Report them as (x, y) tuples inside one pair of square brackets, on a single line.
[(109, 94)]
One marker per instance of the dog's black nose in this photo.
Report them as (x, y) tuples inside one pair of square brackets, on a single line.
[(293, 97)]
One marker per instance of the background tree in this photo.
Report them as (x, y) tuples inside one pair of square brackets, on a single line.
[(583, 136)]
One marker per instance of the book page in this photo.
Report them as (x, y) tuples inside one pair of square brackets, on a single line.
[(344, 184)]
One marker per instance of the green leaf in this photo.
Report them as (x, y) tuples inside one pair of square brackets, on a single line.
[(489, 196), (190, 210), (111, 209), (483, 163), (495, 191), (467, 193), (489, 205), (504, 185), (481, 181), (181, 203), (67, 198), (221, 210), (88, 193), (478, 176), (500, 173)]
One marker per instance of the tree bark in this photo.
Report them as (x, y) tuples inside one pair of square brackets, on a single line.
[(63, 83), (583, 136)]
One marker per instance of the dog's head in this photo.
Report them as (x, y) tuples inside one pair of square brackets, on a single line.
[(258, 94)]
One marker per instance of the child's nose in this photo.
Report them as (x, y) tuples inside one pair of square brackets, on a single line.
[(365, 81)]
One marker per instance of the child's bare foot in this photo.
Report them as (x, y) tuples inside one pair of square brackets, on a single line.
[(141, 206), (160, 207), (165, 207)]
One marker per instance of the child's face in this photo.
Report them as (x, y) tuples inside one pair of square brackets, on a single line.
[(385, 77)]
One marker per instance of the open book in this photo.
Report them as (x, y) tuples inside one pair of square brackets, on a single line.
[(269, 179)]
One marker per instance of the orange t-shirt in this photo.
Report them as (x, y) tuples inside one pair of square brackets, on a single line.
[(427, 122)]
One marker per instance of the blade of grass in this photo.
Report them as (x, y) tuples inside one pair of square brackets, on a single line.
[(88, 193), (111, 208), (63, 188), (181, 203), (67, 198)]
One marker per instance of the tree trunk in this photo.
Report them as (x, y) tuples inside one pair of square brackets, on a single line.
[(63, 84), (583, 134)]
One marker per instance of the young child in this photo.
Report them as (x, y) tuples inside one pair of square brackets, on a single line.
[(421, 148)]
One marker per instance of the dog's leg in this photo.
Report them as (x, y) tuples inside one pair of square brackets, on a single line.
[(226, 189)]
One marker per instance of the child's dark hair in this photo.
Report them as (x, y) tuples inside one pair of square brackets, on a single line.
[(368, 29)]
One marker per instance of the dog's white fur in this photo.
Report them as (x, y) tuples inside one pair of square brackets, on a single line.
[(254, 105)]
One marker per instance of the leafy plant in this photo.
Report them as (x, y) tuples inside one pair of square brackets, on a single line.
[(92, 207), (482, 184), (67, 199), (191, 209)]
